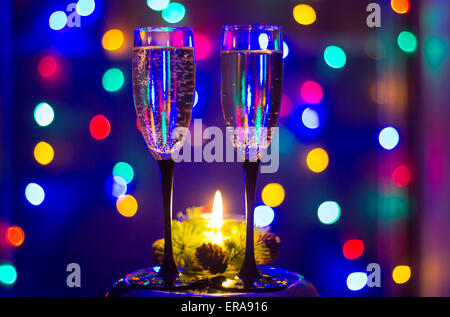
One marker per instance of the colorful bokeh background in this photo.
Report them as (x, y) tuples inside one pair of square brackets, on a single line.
[(364, 143)]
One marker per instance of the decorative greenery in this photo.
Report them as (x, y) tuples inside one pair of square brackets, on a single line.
[(201, 258)]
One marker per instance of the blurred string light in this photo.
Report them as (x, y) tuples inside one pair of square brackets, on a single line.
[(174, 12), (43, 114), (15, 236), (353, 249), (356, 281), (203, 46), (389, 138), (263, 216), (113, 40), (99, 127), (329, 212), (407, 42), (35, 194), (310, 118), (57, 20), (311, 92), (8, 274), (436, 51), (263, 40), (401, 176), (285, 49), (317, 160), (273, 194), (126, 205), (195, 99), (400, 6), (85, 7), (334, 56), (286, 105), (113, 79), (116, 186), (158, 5), (401, 274), (123, 170), (304, 14), (47, 66), (43, 153)]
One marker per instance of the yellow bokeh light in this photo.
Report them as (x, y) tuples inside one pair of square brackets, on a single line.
[(113, 40), (401, 274), (126, 205), (317, 160), (272, 194), (304, 14), (43, 153)]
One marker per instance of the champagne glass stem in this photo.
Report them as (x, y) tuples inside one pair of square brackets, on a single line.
[(169, 271), (249, 270)]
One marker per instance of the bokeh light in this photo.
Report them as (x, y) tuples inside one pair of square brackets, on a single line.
[(263, 216), (47, 66), (329, 212), (85, 7), (203, 46), (174, 12), (195, 100), (310, 118), (113, 40), (15, 236), (124, 170), (158, 5), (34, 194), (304, 14), (356, 281), (311, 92), (401, 176), (57, 20), (353, 249), (117, 186), (99, 127), (43, 114), (400, 6), (407, 41), (401, 274), (273, 194), (263, 40), (126, 205), (317, 160), (334, 56), (286, 106), (8, 274), (389, 138), (285, 50), (113, 79), (43, 153)]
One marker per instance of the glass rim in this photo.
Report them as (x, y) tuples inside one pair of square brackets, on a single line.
[(265, 27), (163, 28)]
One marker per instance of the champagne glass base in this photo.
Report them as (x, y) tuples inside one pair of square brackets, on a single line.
[(148, 278), (266, 283)]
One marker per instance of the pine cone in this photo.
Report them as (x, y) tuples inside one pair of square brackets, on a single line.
[(272, 242), (158, 251), (211, 257)]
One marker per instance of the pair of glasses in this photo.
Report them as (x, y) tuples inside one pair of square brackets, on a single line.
[(251, 89)]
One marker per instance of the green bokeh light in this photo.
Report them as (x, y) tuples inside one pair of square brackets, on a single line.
[(113, 79), (174, 13), (407, 41), (8, 274), (124, 170), (334, 56)]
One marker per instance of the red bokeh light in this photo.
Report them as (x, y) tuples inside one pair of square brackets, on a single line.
[(311, 92), (202, 46), (286, 106), (353, 249), (99, 127), (401, 176), (15, 236), (47, 66)]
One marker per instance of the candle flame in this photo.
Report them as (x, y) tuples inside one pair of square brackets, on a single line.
[(217, 211)]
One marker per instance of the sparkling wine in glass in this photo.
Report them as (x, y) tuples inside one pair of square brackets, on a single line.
[(164, 87), (251, 89)]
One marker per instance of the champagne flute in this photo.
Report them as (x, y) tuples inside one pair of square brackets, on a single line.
[(163, 89), (251, 89)]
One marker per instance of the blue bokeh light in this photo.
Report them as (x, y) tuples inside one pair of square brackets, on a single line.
[(174, 12), (285, 50), (85, 7), (356, 281), (310, 118), (35, 194), (389, 138), (264, 216), (57, 20)]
